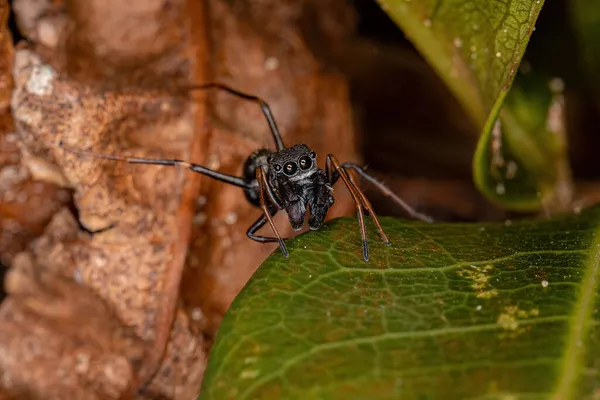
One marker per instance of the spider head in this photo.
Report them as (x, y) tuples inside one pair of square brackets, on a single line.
[(295, 163)]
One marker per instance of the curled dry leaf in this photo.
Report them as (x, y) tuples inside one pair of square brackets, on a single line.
[(127, 263), (138, 217)]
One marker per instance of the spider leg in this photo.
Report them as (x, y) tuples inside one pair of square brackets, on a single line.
[(364, 201), (269, 191), (230, 179), (387, 192), (263, 105), (331, 166), (370, 210), (261, 178), (255, 227)]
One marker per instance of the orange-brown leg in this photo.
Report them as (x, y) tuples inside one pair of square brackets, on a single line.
[(332, 162), (367, 205), (261, 177)]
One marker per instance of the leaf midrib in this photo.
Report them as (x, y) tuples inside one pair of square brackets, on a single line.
[(571, 365)]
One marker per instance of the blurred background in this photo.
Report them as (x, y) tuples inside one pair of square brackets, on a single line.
[(410, 130), (340, 76)]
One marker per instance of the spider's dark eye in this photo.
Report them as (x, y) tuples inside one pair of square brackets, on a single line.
[(290, 168), (313, 154), (305, 162), (277, 167)]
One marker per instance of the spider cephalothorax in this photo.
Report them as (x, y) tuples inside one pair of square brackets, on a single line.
[(299, 184), (285, 179), (294, 184)]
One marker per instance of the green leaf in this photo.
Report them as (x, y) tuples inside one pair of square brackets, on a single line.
[(522, 163), (476, 47), (449, 311), (586, 20)]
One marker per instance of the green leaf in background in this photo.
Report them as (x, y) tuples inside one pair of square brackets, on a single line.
[(585, 15), (522, 163), (449, 311), (476, 46)]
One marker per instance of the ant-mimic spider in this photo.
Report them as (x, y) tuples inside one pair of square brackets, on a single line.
[(285, 179)]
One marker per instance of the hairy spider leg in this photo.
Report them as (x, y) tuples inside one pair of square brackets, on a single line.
[(261, 177), (263, 105), (331, 161), (232, 180), (387, 192)]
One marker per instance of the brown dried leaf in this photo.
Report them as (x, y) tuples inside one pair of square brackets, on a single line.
[(27, 202), (126, 265), (134, 264), (95, 357)]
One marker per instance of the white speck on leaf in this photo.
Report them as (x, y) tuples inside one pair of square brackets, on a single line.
[(249, 374), (500, 189), (557, 85)]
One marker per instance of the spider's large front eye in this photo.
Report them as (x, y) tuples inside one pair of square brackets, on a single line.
[(305, 162), (290, 168)]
